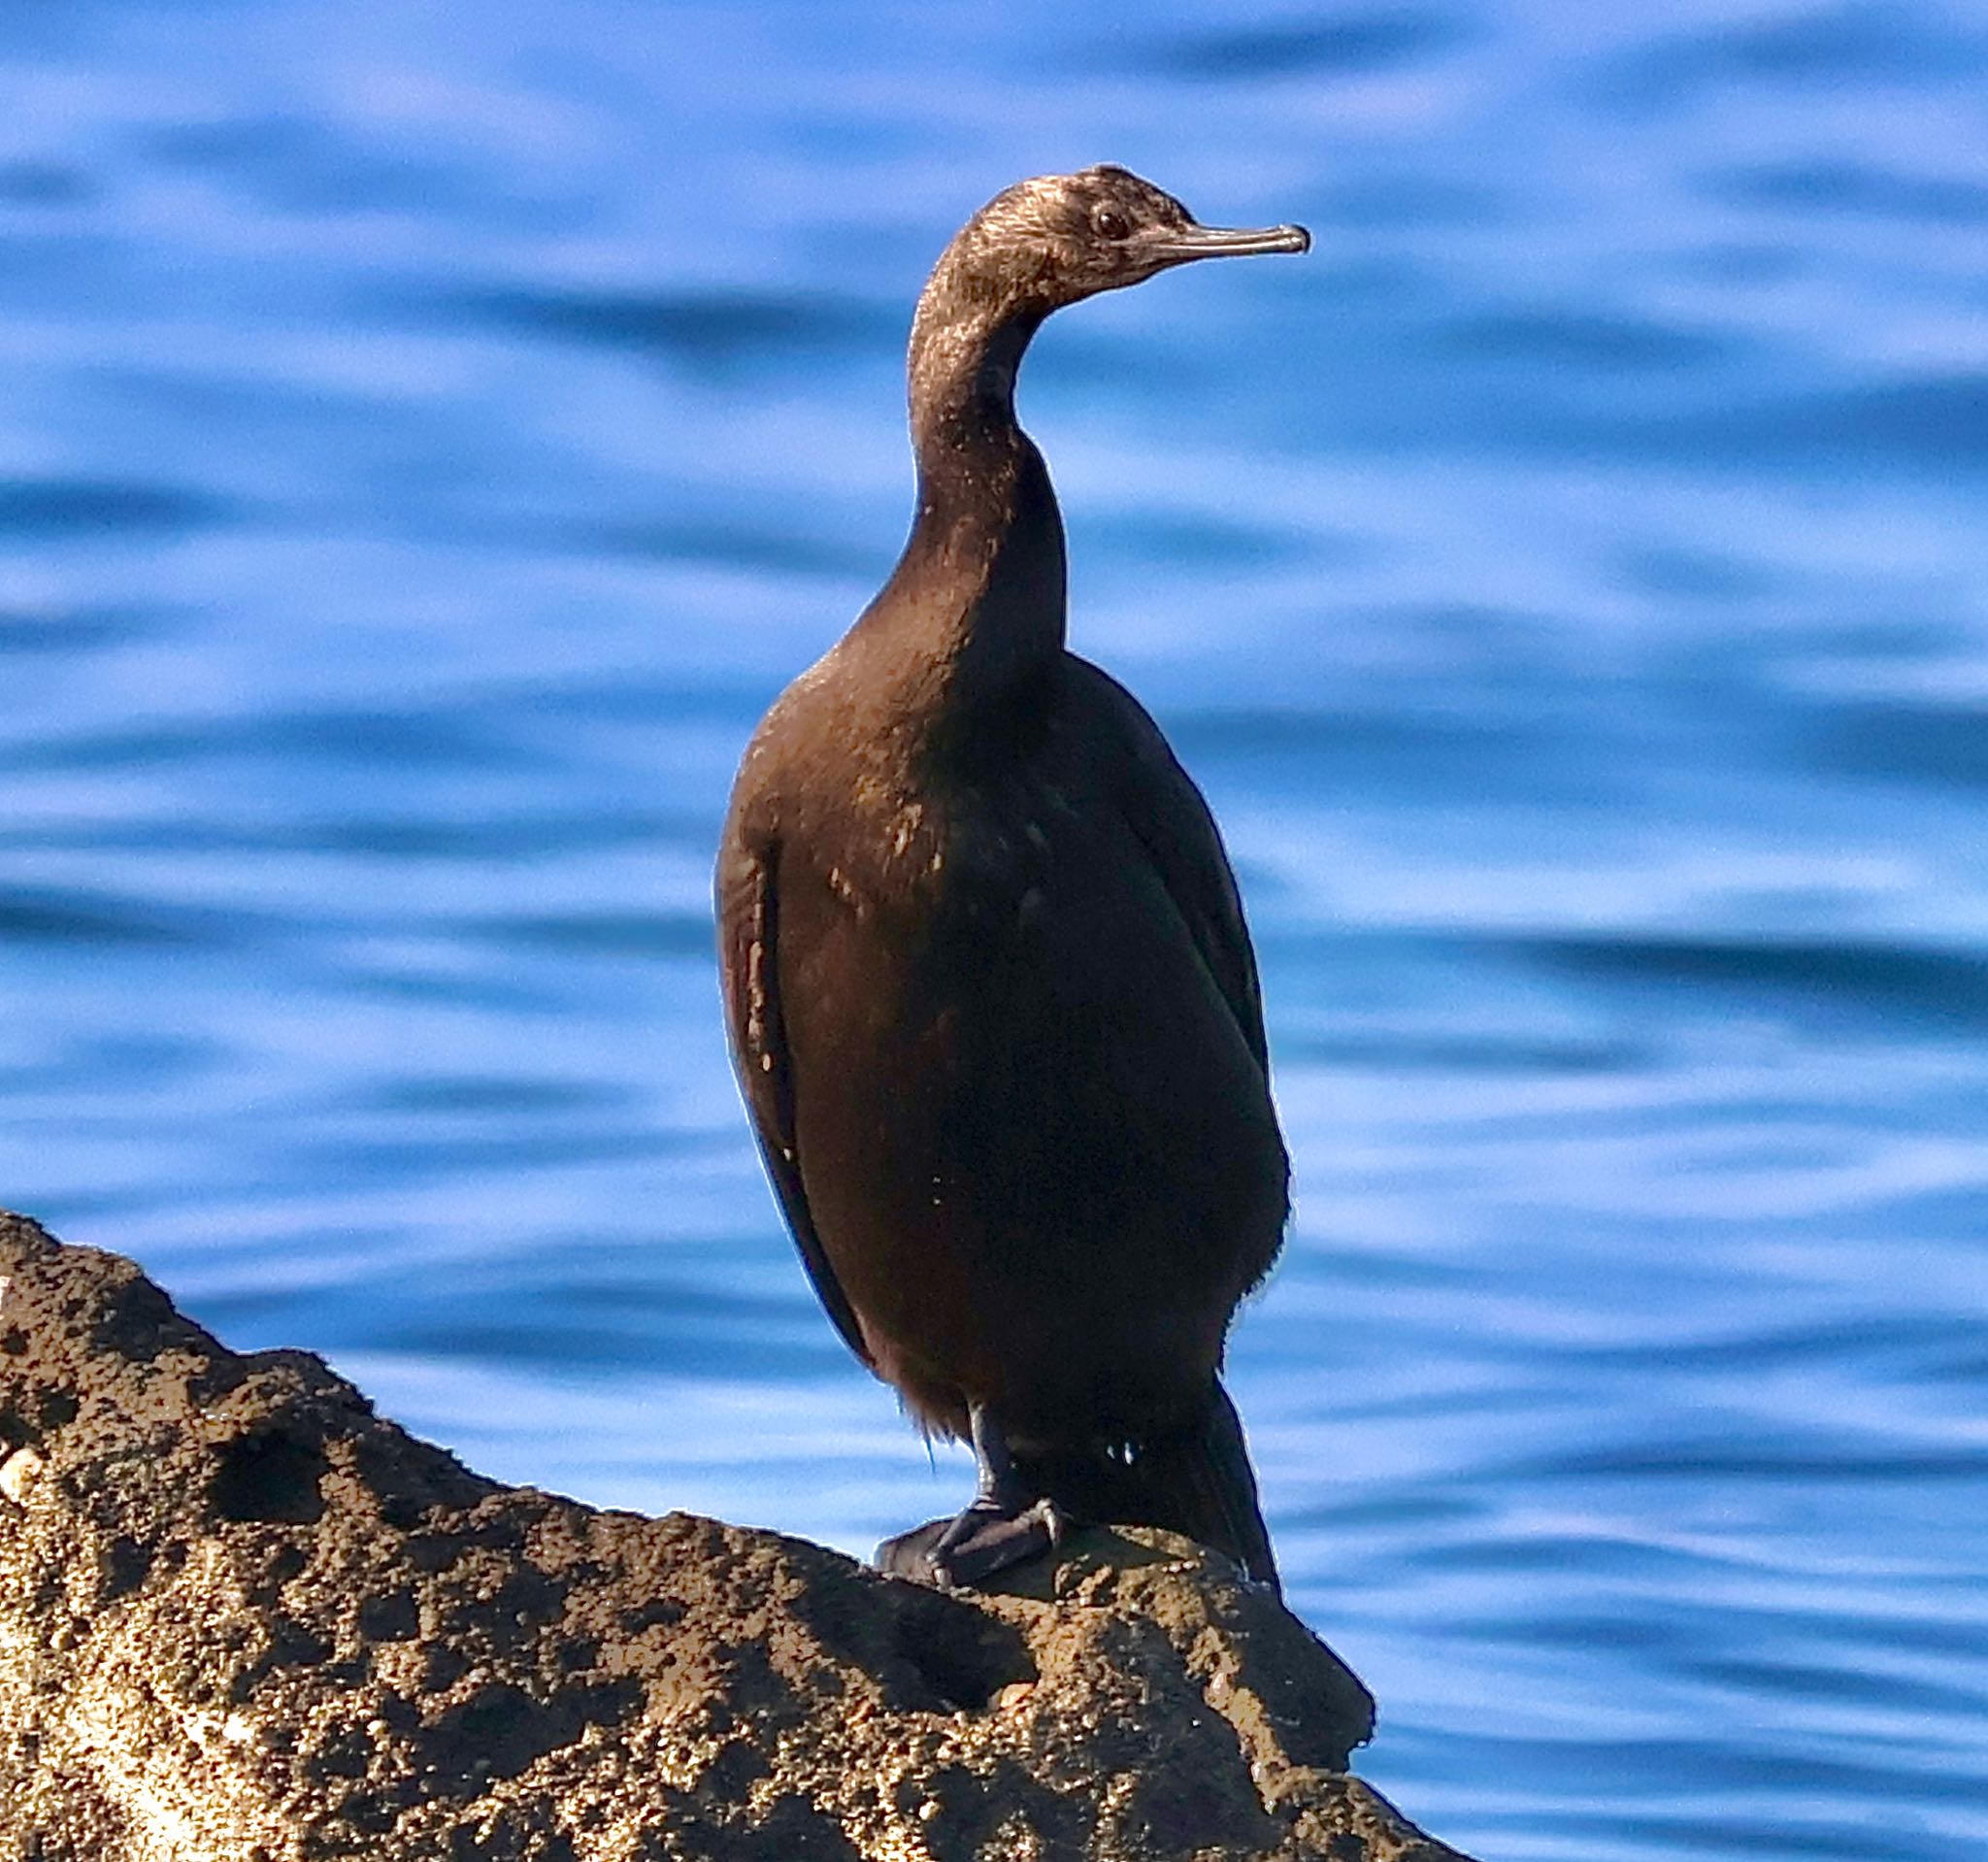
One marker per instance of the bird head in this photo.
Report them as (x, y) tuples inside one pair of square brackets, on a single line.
[(1057, 239)]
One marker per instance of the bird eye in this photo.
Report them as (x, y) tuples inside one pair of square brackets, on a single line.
[(1110, 223)]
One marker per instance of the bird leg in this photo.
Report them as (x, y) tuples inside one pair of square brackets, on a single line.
[(1005, 1524)]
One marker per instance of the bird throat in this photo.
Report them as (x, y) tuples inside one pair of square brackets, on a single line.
[(979, 593)]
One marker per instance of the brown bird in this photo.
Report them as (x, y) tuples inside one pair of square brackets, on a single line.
[(991, 998)]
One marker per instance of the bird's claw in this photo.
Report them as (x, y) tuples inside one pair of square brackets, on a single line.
[(961, 1553)]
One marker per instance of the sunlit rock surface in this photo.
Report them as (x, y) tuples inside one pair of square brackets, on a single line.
[(241, 1617)]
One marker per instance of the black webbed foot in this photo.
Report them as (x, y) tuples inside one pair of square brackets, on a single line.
[(1007, 1524), (965, 1550)]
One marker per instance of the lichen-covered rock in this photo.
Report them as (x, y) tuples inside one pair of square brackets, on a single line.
[(243, 1620)]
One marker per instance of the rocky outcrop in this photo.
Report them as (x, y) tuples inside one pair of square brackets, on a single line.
[(245, 1620)]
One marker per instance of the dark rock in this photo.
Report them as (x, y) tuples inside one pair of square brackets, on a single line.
[(245, 1620)]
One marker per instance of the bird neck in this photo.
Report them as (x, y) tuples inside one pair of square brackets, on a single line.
[(977, 601)]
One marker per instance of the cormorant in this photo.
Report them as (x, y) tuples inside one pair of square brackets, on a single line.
[(991, 998)]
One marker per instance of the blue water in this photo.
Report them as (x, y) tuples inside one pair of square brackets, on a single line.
[(430, 435)]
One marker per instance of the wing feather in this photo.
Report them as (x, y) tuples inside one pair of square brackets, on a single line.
[(748, 918), (1171, 821)]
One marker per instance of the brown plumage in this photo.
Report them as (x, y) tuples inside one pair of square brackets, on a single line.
[(992, 1001)]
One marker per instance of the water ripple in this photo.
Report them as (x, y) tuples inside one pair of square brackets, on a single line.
[(711, 332), (1946, 986), (1816, 47), (1352, 43), (1854, 189), (78, 918), (65, 508)]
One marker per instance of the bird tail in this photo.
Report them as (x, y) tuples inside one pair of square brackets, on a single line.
[(1196, 1480)]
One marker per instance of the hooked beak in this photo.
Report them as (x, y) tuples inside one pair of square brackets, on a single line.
[(1228, 241)]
